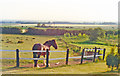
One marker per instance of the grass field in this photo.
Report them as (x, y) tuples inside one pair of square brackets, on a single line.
[(89, 68), (10, 42)]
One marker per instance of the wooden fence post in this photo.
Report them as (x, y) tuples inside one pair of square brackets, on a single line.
[(17, 57), (94, 54), (82, 55), (67, 55), (79, 48), (98, 52), (104, 53), (47, 58), (118, 48)]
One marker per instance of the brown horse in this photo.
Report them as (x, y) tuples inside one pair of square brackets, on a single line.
[(41, 47)]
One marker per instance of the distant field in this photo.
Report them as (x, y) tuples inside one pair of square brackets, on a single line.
[(76, 26)]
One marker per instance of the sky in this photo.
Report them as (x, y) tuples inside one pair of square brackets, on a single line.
[(60, 10)]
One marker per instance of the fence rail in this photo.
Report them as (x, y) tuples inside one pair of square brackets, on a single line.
[(32, 51), (8, 50), (57, 58), (93, 49), (53, 58), (8, 58), (47, 57)]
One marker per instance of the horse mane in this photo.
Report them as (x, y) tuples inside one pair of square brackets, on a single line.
[(48, 41), (53, 40)]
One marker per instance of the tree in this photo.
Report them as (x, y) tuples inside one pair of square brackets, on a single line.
[(71, 35), (84, 35), (66, 35), (94, 34), (79, 35)]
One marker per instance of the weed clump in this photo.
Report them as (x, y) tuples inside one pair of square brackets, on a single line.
[(20, 42)]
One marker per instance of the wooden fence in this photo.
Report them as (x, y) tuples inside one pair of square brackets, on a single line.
[(47, 55), (95, 51)]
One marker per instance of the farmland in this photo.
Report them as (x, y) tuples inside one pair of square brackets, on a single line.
[(25, 42), (39, 39)]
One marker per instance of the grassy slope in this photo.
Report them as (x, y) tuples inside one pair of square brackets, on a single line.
[(27, 45), (89, 68)]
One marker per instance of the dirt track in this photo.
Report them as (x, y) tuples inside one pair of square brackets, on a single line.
[(77, 61)]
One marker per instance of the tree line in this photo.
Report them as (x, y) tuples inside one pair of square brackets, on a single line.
[(93, 33)]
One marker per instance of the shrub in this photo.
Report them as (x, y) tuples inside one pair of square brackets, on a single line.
[(20, 42), (71, 35), (26, 39), (9, 42), (76, 50), (33, 38), (112, 59), (2, 40), (67, 35), (79, 35), (97, 60)]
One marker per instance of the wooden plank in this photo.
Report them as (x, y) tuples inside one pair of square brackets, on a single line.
[(8, 50), (32, 58), (57, 51), (8, 58), (57, 58), (32, 51)]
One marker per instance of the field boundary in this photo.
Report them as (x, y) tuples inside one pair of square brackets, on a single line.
[(96, 54)]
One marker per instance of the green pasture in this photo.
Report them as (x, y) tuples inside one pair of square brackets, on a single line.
[(88, 68), (10, 42)]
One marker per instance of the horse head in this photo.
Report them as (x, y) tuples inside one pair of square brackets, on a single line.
[(53, 43)]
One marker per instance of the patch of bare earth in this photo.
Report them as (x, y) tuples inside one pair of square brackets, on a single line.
[(76, 61)]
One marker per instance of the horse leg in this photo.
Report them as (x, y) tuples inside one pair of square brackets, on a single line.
[(44, 63), (35, 61), (38, 57)]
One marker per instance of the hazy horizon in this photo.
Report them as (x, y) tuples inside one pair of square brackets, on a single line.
[(60, 10)]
